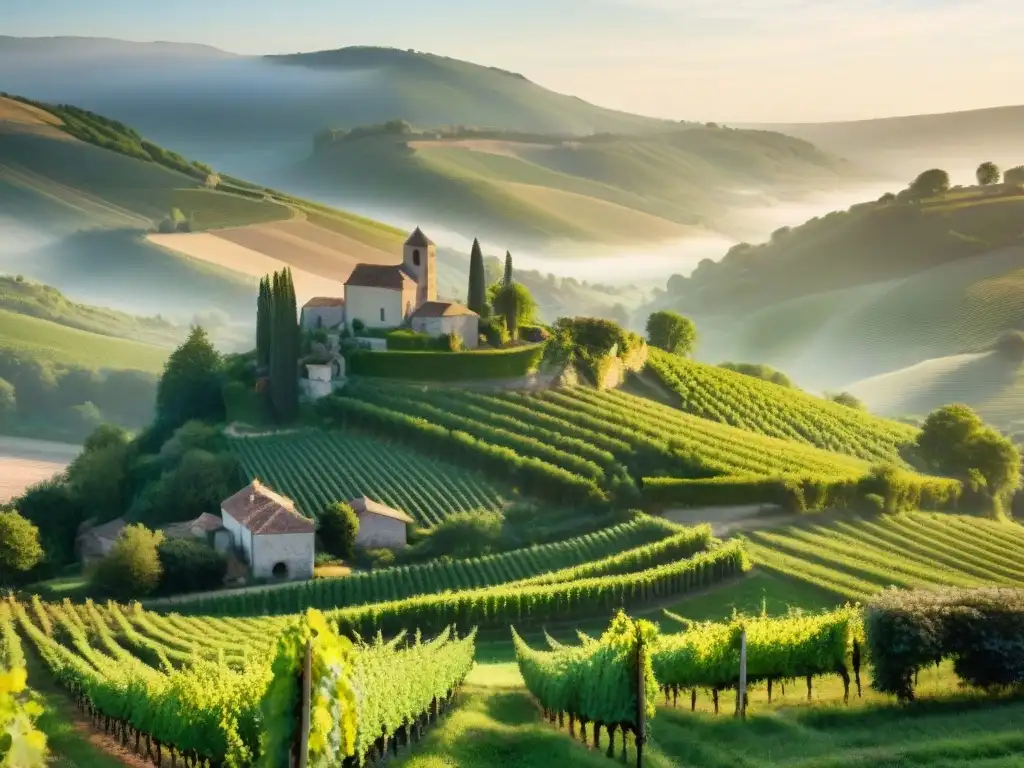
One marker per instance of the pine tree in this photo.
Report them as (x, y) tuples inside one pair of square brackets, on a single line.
[(508, 268), (477, 280)]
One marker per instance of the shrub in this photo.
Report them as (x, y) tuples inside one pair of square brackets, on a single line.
[(190, 565), (495, 332), (465, 534), (448, 366), (980, 629), (338, 528), (133, 568), (408, 339)]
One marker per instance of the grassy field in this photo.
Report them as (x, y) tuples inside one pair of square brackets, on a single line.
[(319, 468), (56, 343)]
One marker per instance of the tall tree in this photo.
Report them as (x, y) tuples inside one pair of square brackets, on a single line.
[(508, 268), (931, 183), (477, 300), (19, 545), (190, 387), (284, 348), (671, 332), (988, 173), (263, 323)]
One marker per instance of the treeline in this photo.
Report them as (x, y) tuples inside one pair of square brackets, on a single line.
[(64, 402), (116, 136)]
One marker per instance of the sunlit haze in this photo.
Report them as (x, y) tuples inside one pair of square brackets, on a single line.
[(744, 60)]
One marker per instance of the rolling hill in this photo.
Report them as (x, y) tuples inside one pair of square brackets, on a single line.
[(989, 382), (679, 182)]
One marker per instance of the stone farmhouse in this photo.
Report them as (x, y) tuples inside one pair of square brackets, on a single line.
[(380, 526), (273, 537), (388, 296), (95, 542)]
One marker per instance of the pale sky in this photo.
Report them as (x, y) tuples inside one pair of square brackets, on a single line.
[(725, 60)]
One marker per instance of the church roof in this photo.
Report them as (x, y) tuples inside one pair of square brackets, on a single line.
[(380, 276), (418, 239), (324, 301), (264, 511), (362, 506), (443, 309)]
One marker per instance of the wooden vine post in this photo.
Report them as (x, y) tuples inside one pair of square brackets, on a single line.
[(641, 702), (743, 675), (300, 746)]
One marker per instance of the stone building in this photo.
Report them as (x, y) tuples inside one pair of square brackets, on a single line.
[(438, 318), (269, 533), (380, 526)]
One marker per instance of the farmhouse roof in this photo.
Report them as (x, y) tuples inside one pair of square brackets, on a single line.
[(418, 239), (263, 511), (443, 309), (324, 301), (109, 530), (390, 276), (206, 523), (365, 506)]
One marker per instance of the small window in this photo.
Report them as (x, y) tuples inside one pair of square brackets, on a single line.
[(280, 571), (416, 257), (382, 314)]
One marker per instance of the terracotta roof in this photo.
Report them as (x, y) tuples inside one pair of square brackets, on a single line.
[(418, 239), (379, 276), (363, 505), (324, 301), (443, 309), (206, 523), (263, 511)]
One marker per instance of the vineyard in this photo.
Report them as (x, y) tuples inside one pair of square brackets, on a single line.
[(317, 468), (644, 540), (578, 444), (858, 557), (224, 691), (754, 405)]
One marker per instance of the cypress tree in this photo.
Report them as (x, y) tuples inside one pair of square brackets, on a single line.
[(508, 268), (477, 280), (263, 324)]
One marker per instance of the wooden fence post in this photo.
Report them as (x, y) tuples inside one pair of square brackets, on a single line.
[(743, 674), (641, 701)]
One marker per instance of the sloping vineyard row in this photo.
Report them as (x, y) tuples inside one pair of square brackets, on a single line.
[(410, 580), (316, 469)]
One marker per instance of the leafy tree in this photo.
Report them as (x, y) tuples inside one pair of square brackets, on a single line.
[(465, 534), (132, 568), (98, 475), (477, 300), (58, 512), (988, 173), (197, 484), (515, 304), (339, 525), (671, 332), (931, 183), (845, 398), (1014, 175), (191, 385), (954, 441), (20, 549), (190, 565)]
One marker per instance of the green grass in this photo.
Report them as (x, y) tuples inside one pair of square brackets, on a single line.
[(769, 409), (856, 557), (319, 468), (60, 344)]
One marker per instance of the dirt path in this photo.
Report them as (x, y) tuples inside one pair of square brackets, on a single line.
[(726, 520)]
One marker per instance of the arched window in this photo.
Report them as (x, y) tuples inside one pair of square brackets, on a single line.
[(415, 257), (382, 314), (280, 571)]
